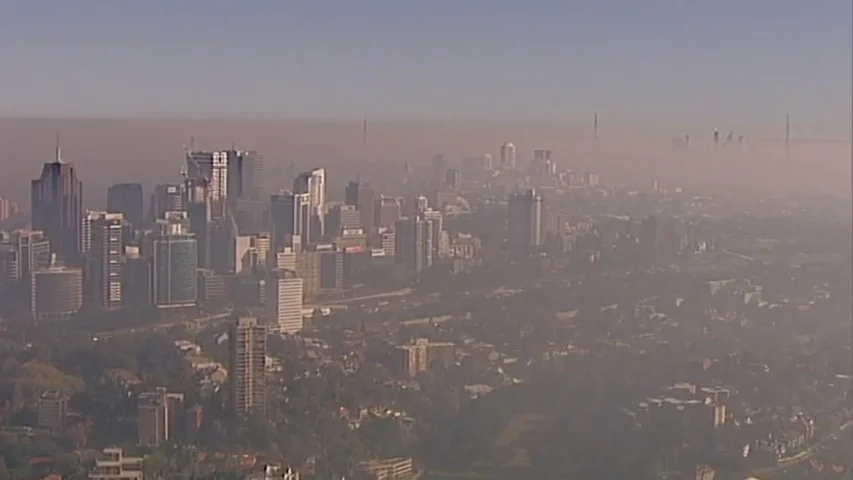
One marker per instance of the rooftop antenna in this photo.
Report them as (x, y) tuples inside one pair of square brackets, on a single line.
[(595, 125), (58, 154)]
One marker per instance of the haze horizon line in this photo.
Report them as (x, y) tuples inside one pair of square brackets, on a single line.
[(604, 123)]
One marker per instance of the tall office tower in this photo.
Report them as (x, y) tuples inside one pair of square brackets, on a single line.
[(487, 162), (223, 244), (127, 199), (137, 276), (174, 267), (251, 216), (56, 291), (388, 211), (331, 270), (413, 243), (437, 220), (157, 414), (541, 155), (213, 168), (524, 220), (8, 209), (32, 252), (438, 168), (343, 217), (197, 202), (363, 197), (453, 179), (105, 269), (57, 206), (86, 229), (283, 302), (166, 198), (290, 215), (314, 184), (417, 205), (245, 175), (247, 370), (508, 156)]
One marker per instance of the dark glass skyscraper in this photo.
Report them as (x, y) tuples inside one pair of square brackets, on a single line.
[(290, 214), (524, 220), (57, 207), (174, 275), (166, 198), (362, 197), (200, 221), (127, 199)]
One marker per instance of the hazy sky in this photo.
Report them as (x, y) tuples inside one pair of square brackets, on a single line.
[(731, 62)]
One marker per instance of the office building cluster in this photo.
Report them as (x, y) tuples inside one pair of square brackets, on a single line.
[(214, 240)]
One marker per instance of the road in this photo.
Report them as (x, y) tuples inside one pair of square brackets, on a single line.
[(160, 327)]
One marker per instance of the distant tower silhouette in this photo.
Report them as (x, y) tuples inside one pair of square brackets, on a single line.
[(595, 125), (716, 139), (364, 132), (787, 132)]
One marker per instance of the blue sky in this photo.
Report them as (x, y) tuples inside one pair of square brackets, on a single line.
[(743, 62)]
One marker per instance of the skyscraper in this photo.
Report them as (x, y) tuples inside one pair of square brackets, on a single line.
[(453, 179), (413, 243), (363, 197), (166, 198), (127, 199), (290, 215), (213, 168), (508, 156), (314, 184), (57, 206), (174, 272), (247, 370), (104, 272), (524, 220), (343, 217), (284, 301), (388, 211), (199, 216), (245, 175)]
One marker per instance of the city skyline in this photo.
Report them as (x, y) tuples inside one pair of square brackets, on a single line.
[(711, 63)]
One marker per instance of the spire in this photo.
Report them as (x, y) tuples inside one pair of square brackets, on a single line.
[(364, 132), (595, 125), (58, 154), (787, 131)]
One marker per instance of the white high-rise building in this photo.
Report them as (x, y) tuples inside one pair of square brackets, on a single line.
[(508, 156), (284, 302), (314, 184)]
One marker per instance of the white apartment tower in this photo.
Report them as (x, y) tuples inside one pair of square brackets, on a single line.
[(284, 302)]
